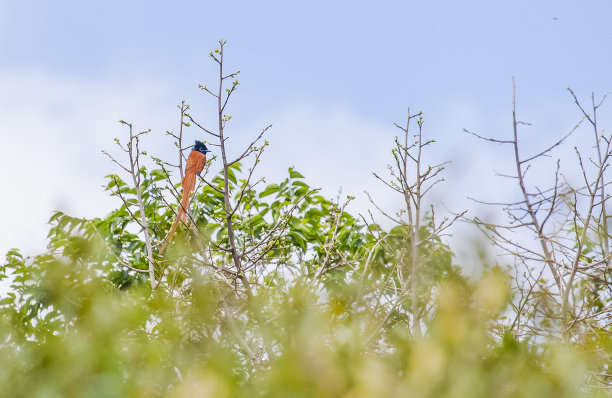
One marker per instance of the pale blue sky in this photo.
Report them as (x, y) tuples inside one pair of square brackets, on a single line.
[(330, 76), (373, 56)]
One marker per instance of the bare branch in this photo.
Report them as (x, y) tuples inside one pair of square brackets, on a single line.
[(488, 139), (250, 149)]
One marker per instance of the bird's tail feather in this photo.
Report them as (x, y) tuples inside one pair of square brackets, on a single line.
[(170, 233), (188, 185)]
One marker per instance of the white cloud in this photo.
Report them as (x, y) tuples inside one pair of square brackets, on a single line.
[(333, 147), (52, 130)]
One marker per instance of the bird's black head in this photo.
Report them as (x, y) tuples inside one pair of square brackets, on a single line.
[(200, 147)]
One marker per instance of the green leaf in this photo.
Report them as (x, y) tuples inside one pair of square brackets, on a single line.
[(270, 189), (294, 174)]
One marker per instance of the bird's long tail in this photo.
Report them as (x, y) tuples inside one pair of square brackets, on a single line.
[(188, 185), (169, 236)]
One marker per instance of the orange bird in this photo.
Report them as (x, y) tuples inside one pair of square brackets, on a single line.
[(194, 166)]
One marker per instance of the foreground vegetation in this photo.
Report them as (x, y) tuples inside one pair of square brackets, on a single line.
[(274, 290)]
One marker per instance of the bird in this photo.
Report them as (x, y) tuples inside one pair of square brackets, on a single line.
[(194, 166)]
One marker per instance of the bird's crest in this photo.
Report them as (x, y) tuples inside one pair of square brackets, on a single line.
[(200, 147)]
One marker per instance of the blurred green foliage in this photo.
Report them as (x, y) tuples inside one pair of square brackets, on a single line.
[(325, 318)]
